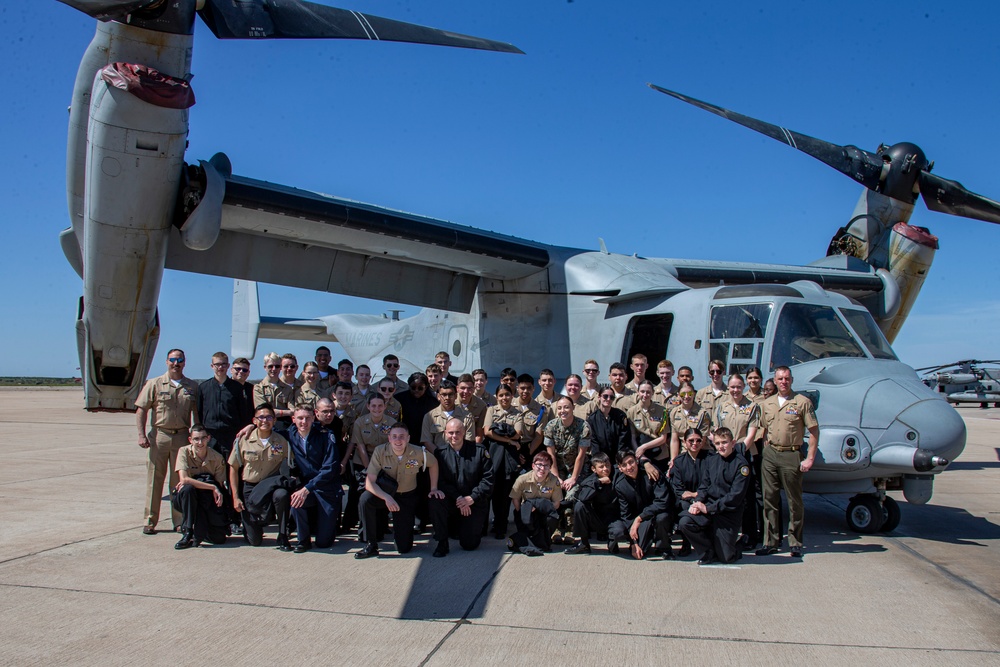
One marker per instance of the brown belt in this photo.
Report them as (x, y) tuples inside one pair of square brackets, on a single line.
[(778, 448), (170, 431)]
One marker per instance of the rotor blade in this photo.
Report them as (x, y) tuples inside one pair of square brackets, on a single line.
[(860, 165), (107, 10), (297, 19), (946, 196)]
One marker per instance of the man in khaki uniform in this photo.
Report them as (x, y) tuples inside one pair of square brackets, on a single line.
[(473, 404), (401, 462), (534, 417), (786, 416), (199, 493), (173, 401), (432, 432), (272, 391), (260, 455), (390, 364), (624, 397)]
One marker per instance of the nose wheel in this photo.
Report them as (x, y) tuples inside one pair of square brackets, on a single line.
[(865, 514)]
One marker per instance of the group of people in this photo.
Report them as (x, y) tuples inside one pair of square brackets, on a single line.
[(623, 462)]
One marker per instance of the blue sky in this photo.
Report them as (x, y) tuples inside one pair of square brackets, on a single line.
[(563, 145)]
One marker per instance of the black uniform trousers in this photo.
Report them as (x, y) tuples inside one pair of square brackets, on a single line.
[(402, 521), (503, 482), (713, 535), (354, 490), (587, 522), (253, 525), (468, 530), (753, 509), (201, 517), (658, 529), (536, 521)]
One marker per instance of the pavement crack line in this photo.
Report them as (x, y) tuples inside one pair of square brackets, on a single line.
[(66, 544), (464, 620), (955, 578)]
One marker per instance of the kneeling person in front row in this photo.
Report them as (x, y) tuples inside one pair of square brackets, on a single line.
[(645, 506), (315, 506), (199, 495), (397, 491), (466, 480), (536, 496), (712, 522), (596, 507), (265, 487)]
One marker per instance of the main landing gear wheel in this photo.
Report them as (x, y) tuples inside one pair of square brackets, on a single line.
[(865, 514), (891, 515)]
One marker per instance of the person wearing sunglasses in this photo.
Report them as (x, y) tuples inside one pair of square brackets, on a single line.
[(390, 364), (171, 400), (272, 391), (591, 388), (708, 396), (609, 428), (685, 476), (687, 415)]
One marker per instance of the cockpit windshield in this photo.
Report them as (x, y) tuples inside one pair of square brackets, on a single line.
[(869, 333), (806, 332)]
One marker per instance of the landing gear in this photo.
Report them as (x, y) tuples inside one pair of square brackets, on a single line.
[(868, 514), (891, 515), (865, 514)]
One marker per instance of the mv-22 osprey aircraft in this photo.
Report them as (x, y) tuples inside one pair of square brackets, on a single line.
[(489, 299)]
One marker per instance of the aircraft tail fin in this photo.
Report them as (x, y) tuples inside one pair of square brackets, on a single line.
[(246, 319)]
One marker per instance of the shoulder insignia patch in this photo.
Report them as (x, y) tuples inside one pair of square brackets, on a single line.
[(745, 471)]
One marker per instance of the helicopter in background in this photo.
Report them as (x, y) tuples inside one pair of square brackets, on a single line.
[(967, 381)]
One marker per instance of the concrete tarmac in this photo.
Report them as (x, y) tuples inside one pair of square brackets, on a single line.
[(81, 585)]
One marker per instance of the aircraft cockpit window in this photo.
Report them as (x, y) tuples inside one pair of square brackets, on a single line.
[(869, 333), (806, 332), (745, 321)]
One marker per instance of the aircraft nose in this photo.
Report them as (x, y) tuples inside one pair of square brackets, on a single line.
[(941, 429)]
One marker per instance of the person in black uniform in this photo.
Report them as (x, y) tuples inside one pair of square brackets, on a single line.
[(609, 428), (416, 402), (316, 506), (685, 476), (596, 507), (223, 409), (646, 508), (465, 476), (712, 522)]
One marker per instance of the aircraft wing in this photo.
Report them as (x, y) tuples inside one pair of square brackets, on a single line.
[(287, 236)]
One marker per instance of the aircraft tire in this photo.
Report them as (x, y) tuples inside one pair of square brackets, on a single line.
[(891, 514), (865, 514)]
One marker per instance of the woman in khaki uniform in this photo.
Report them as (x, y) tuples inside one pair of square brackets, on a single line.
[(505, 453), (687, 415), (650, 428)]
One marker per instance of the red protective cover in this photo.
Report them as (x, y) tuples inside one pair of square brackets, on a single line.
[(149, 85)]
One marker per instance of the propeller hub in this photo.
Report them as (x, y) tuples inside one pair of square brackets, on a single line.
[(905, 161)]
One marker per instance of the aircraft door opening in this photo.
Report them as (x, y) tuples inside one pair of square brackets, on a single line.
[(648, 335)]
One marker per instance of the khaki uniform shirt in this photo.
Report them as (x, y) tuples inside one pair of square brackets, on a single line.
[(213, 464), (697, 418), (477, 407), (648, 424), (787, 424), (625, 400), (278, 394), (401, 386), (666, 397), (584, 407), (496, 415), (170, 407), (526, 487), (547, 402), (259, 461), (306, 397), (489, 399), (403, 468), (707, 399), (347, 417), (359, 401), (758, 399), (370, 435), (737, 418), (432, 430), (533, 416)]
